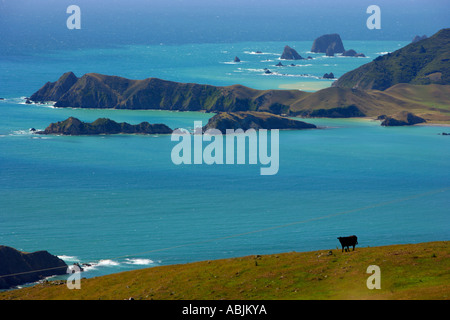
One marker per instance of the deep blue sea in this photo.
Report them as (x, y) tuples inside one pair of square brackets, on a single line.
[(118, 202)]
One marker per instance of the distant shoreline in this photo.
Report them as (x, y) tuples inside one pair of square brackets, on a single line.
[(46, 105)]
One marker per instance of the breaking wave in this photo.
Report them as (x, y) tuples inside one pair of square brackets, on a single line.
[(108, 263), (141, 262)]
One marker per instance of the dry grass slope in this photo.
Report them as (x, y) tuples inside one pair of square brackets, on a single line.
[(431, 102), (412, 271)]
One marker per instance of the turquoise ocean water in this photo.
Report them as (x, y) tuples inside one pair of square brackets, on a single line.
[(119, 203)]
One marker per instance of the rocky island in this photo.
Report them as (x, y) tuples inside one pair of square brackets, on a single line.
[(73, 126), (290, 54), (329, 76), (17, 267), (253, 120), (221, 121), (329, 44)]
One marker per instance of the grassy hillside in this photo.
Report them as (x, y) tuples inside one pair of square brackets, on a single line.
[(431, 102), (411, 271), (423, 62)]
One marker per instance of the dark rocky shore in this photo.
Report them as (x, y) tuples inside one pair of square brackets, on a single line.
[(17, 267)]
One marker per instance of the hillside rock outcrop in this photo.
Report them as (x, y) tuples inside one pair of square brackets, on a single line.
[(403, 118), (418, 38)]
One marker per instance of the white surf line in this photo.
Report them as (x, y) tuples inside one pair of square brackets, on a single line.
[(381, 204)]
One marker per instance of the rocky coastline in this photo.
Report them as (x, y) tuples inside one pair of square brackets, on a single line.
[(18, 267)]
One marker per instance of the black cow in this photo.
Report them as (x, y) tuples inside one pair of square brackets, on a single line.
[(348, 242)]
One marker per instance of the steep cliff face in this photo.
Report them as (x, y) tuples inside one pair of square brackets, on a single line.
[(18, 267), (52, 91)]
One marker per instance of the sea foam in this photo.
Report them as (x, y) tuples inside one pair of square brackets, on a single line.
[(136, 261), (107, 262)]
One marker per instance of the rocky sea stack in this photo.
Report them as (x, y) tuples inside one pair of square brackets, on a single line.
[(328, 43), (17, 267), (290, 54), (73, 126), (329, 76), (253, 120)]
